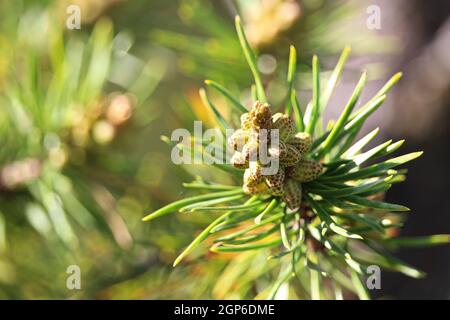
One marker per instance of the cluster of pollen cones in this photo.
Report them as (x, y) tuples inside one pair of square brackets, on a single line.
[(258, 127)]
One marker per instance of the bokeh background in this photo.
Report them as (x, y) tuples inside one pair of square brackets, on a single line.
[(82, 112)]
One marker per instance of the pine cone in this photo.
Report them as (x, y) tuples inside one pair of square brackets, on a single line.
[(284, 124), (258, 189), (238, 139), (275, 183), (238, 160), (292, 194), (255, 172), (246, 123), (247, 141), (306, 170), (279, 151), (291, 157), (260, 116), (250, 150), (302, 142)]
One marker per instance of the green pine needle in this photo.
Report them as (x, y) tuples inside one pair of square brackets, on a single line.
[(313, 116), (291, 77), (234, 102), (341, 207), (251, 60)]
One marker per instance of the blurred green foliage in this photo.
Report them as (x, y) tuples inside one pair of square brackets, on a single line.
[(81, 158)]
